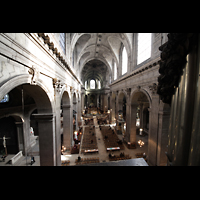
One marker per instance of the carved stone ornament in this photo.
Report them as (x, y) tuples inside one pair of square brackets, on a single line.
[(153, 88), (128, 91), (57, 84), (173, 60), (35, 74)]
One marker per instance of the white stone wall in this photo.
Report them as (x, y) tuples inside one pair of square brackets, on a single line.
[(22, 51), (25, 58)]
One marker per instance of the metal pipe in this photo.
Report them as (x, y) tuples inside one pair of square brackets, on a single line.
[(173, 119), (180, 117), (185, 103), (168, 153), (194, 151)]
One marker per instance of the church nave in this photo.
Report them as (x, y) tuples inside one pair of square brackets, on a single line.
[(92, 98)]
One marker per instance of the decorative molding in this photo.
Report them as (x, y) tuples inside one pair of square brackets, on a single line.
[(57, 84), (146, 67), (173, 60), (34, 71), (138, 87), (57, 53), (128, 91), (44, 117), (153, 88), (67, 106)]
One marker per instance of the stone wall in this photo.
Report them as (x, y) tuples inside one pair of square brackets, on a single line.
[(27, 60)]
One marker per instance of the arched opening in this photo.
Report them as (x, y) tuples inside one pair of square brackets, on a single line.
[(140, 120), (24, 99)]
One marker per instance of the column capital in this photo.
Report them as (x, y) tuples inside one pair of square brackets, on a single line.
[(66, 106), (44, 117)]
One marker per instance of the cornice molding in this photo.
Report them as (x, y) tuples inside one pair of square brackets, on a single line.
[(56, 52)]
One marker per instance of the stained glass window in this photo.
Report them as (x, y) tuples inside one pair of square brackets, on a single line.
[(5, 99)]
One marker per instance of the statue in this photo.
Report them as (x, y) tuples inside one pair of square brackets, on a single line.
[(4, 143)]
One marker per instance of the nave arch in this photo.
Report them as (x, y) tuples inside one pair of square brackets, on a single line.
[(67, 113), (138, 98), (45, 116), (140, 103)]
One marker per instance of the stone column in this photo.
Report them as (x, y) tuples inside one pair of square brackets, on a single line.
[(79, 111), (141, 115), (102, 102), (97, 100), (67, 125), (112, 105), (128, 120), (117, 107), (133, 123), (46, 129), (105, 108), (75, 108), (58, 126), (19, 126), (88, 100), (88, 85), (82, 102), (153, 130)]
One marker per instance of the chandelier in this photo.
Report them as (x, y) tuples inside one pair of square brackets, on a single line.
[(141, 143)]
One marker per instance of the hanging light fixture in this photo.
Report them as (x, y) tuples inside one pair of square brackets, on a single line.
[(141, 143)]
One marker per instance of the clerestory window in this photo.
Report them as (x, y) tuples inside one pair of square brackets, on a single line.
[(92, 84), (144, 47), (62, 41), (115, 70), (124, 61), (99, 85)]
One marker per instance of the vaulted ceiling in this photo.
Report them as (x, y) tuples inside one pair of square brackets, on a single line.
[(92, 54), (94, 69)]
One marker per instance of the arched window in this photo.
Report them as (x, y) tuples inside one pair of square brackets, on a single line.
[(124, 61), (99, 85), (85, 84), (92, 84), (115, 71), (62, 41), (144, 47)]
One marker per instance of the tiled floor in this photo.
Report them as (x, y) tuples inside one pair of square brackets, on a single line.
[(103, 154)]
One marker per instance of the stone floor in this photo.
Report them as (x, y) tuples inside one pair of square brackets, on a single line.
[(103, 154)]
